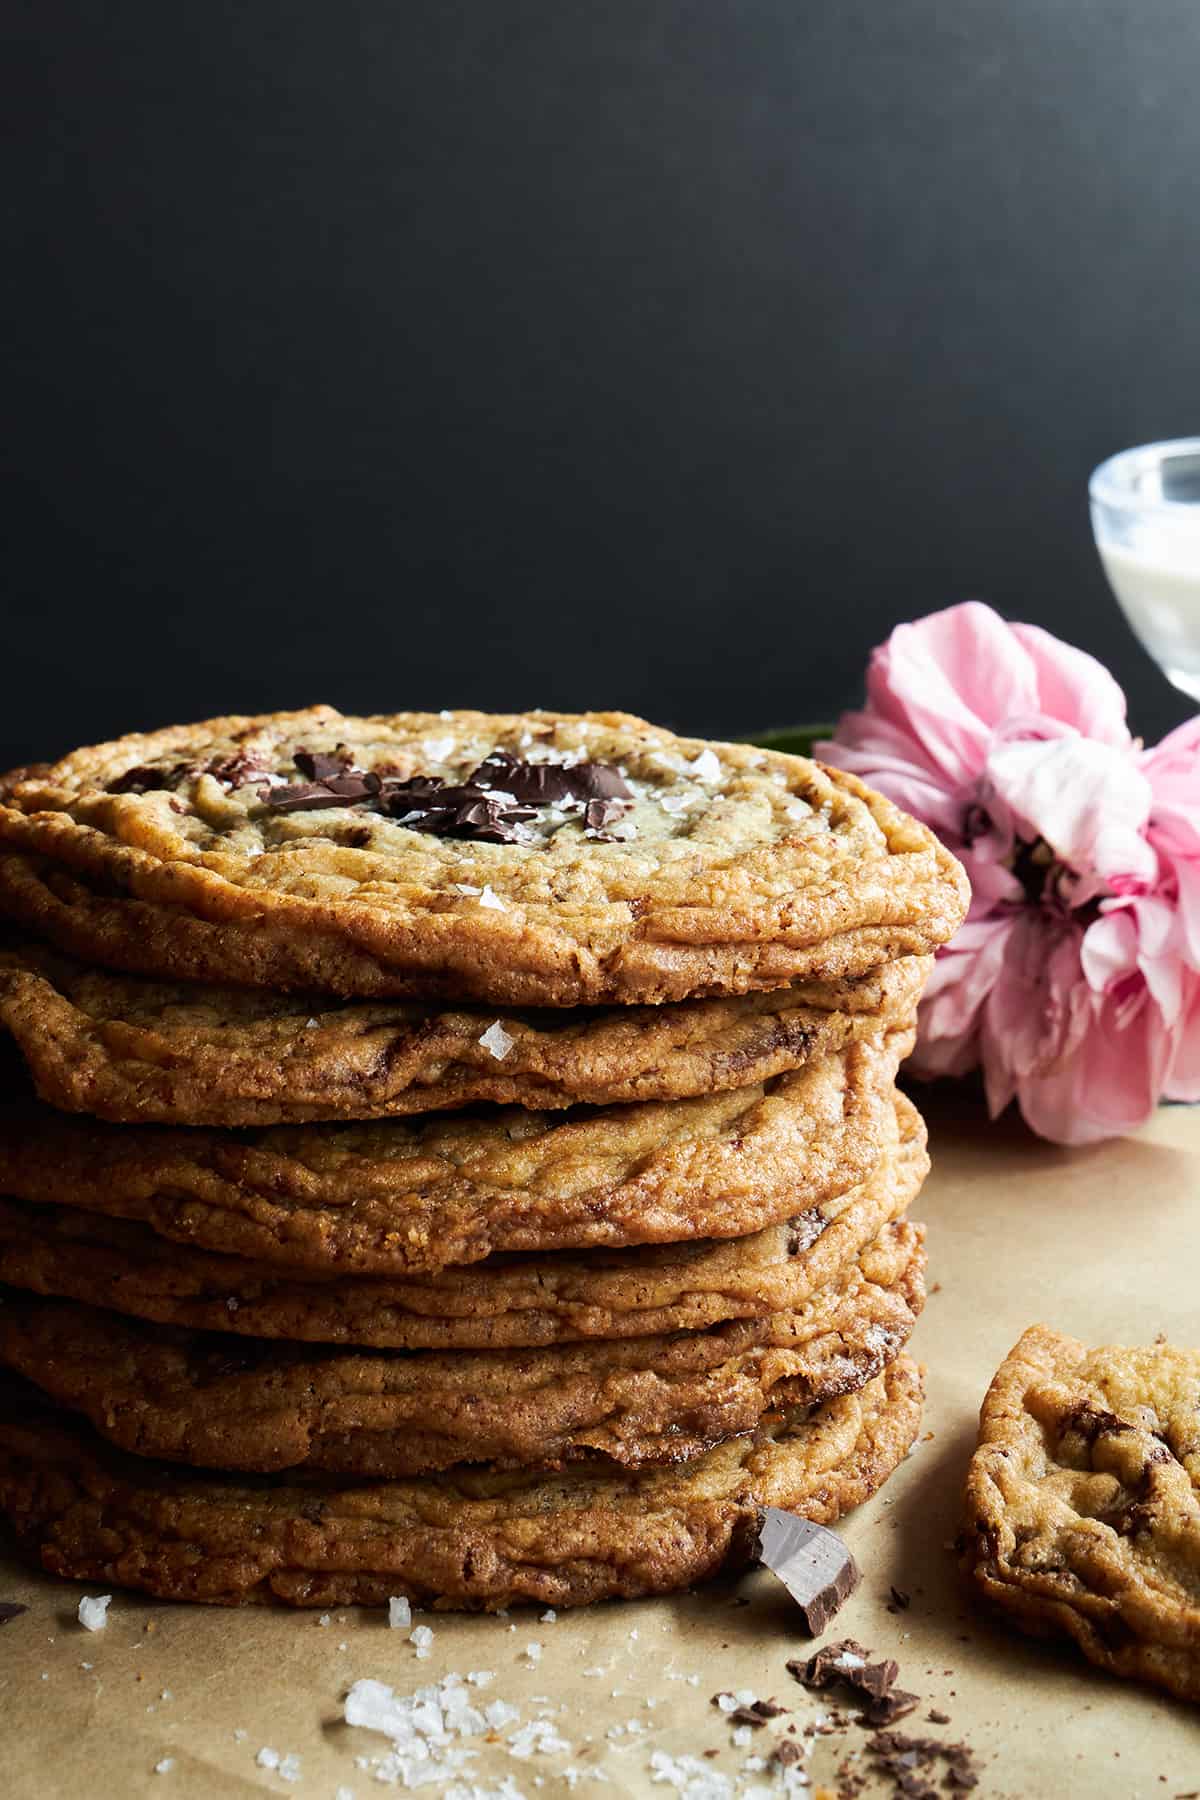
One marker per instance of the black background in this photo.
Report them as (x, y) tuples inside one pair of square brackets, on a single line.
[(414, 352)]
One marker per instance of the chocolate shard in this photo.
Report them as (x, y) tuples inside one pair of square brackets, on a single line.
[(303, 797), (319, 765), (147, 779), (336, 790), (10, 1610), (812, 1562), (757, 1713), (884, 1709), (542, 784), (238, 770), (599, 813)]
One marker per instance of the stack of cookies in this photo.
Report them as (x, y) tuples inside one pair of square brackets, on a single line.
[(451, 1155)]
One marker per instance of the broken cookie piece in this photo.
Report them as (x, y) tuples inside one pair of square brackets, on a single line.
[(1083, 1502)]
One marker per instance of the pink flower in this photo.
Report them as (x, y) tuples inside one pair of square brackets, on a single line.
[(1075, 981)]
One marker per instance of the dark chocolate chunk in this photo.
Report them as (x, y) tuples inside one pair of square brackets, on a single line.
[(599, 813), (812, 1563), (545, 784), (10, 1610), (757, 1713), (147, 778), (237, 770), (337, 790), (827, 1666), (887, 1707), (319, 765)]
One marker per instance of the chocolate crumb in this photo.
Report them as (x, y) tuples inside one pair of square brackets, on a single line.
[(887, 1708), (10, 1610), (900, 1601), (936, 1717)]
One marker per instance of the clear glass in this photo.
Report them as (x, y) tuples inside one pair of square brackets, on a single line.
[(1146, 522)]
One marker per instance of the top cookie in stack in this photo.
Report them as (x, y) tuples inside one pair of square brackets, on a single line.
[(428, 1041), (537, 860)]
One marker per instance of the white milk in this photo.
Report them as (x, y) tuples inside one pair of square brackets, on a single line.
[(1158, 586)]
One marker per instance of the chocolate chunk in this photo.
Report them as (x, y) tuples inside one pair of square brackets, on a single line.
[(336, 790), (147, 779), (10, 1610), (877, 1678), (239, 769), (546, 784), (757, 1713), (889, 1706), (900, 1600), (787, 1753), (599, 813), (813, 1564), (319, 765)]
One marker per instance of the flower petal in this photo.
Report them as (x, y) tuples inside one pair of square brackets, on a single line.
[(1074, 687), (1089, 802)]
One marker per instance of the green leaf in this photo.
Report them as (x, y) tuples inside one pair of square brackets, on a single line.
[(796, 740)]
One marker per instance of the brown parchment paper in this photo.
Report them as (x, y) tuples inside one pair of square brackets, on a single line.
[(1103, 1243)]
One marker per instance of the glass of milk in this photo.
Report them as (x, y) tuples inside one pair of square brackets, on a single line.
[(1146, 522)]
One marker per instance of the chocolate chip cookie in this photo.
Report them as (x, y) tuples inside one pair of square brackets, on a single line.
[(468, 1540), (506, 1302), (398, 1195), (253, 1404), (543, 859), (1083, 1502), (133, 1050)]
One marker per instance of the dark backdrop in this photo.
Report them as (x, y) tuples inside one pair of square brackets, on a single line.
[(422, 352)]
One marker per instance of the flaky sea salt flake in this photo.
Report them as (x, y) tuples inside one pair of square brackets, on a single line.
[(496, 1041), (93, 1611)]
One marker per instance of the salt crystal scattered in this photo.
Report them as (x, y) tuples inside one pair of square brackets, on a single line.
[(399, 1613), (500, 1713), (742, 1735), (534, 1652), (325, 1619), (421, 1637), (497, 1041), (268, 1758), (848, 1660), (536, 1737), (438, 749), (492, 901), (481, 1677), (464, 887), (164, 1766), (706, 766), (289, 1768), (549, 1616), (727, 1703), (93, 1612), (745, 1696)]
